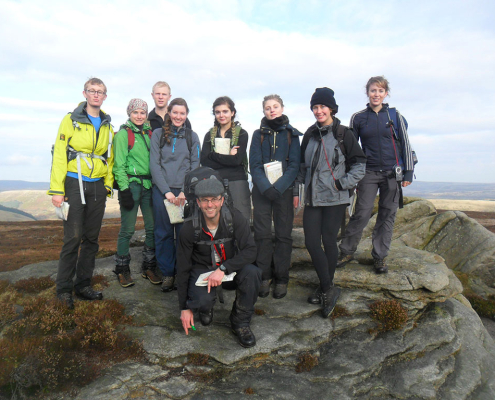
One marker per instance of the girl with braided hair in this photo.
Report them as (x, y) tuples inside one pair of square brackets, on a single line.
[(232, 166), (175, 151)]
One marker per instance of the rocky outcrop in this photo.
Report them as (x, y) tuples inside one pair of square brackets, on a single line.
[(443, 352)]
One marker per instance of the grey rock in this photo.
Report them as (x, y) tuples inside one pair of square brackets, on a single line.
[(443, 352)]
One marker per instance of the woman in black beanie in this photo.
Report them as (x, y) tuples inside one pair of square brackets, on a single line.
[(331, 163), (276, 141)]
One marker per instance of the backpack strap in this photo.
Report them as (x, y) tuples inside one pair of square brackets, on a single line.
[(339, 137), (392, 118)]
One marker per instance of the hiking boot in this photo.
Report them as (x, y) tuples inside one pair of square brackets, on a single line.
[(66, 299), (245, 336), (151, 275), (380, 266), (168, 283), (124, 278), (87, 293), (280, 290), (344, 259), (206, 317), (315, 298), (265, 288), (329, 300), (122, 270)]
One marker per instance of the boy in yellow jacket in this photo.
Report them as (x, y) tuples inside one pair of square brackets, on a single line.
[(82, 176)]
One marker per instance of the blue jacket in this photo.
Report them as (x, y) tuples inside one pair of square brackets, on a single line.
[(377, 141), (275, 147)]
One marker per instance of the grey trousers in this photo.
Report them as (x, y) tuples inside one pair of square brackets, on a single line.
[(373, 182), (241, 196)]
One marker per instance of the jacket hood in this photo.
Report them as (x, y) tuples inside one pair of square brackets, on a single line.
[(81, 115)]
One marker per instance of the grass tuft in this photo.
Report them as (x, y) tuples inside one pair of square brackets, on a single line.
[(389, 314)]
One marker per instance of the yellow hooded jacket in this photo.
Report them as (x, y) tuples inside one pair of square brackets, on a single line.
[(77, 131)]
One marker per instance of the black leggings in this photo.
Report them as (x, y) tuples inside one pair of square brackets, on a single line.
[(323, 224)]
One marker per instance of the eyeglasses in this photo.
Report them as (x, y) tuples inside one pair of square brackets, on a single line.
[(95, 92), (212, 201)]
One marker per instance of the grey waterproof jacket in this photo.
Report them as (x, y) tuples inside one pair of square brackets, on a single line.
[(321, 187)]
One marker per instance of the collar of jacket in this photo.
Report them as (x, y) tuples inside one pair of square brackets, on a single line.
[(266, 130), (314, 130), (81, 115), (383, 109), (134, 128)]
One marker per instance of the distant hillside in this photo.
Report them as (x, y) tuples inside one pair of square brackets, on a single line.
[(451, 190), (38, 204), (23, 185), (7, 216)]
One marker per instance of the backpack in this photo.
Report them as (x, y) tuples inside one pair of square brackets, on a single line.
[(131, 138), (187, 135), (233, 142), (192, 211), (392, 118)]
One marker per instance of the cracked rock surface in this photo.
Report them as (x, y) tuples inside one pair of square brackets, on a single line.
[(443, 351)]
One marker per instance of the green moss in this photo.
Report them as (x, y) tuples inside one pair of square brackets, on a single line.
[(389, 314), (340, 311), (46, 347), (198, 358), (307, 362), (34, 285), (484, 307)]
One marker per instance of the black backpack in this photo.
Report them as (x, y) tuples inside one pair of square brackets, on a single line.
[(192, 211)]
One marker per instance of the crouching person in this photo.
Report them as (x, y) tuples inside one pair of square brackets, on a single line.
[(215, 247)]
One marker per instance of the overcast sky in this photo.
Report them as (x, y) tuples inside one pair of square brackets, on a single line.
[(438, 56)]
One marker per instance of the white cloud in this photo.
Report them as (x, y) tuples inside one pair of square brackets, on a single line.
[(442, 73)]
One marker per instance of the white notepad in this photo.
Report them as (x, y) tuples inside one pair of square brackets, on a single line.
[(201, 279)]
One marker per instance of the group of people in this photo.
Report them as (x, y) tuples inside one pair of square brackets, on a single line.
[(148, 159)]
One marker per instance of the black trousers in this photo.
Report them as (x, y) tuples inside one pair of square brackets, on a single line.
[(246, 284), (323, 224), (81, 231), (282, 211)]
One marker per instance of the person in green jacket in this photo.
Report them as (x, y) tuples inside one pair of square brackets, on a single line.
[(132, 174)]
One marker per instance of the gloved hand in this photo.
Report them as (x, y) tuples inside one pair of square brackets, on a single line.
[(126, 199), (272, 193)]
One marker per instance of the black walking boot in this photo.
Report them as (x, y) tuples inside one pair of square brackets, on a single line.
[(329, 300), (245, 336), (380, 266), (315, 298)]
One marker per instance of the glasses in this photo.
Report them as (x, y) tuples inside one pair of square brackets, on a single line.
[(95, 92), (212, 201)]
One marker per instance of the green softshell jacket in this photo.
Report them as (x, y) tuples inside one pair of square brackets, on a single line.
[(132, 165)]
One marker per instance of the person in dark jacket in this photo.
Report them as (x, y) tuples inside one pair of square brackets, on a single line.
[(276, 140), (234, 254), (386, 145), (132, 174), (170, 160), (161, 94), (326, 186), (231, 166)]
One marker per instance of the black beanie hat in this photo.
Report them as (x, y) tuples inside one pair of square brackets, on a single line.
[(326, 97)]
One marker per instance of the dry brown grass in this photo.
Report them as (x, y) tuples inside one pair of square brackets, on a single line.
[(24, 243)]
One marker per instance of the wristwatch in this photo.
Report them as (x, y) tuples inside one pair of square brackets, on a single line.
[(222, 268)]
